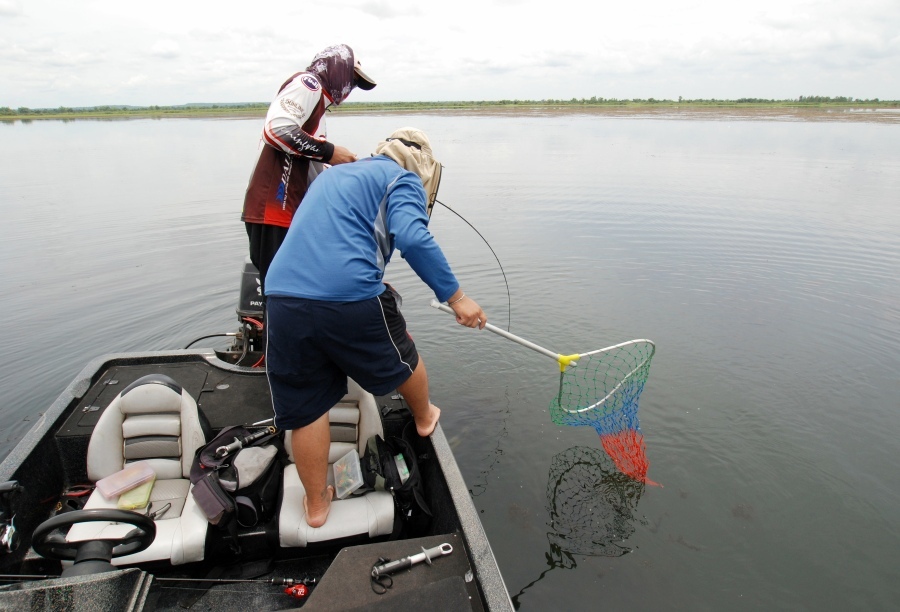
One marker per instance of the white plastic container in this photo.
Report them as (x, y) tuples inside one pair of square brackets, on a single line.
[(347, 475), (126, 479)]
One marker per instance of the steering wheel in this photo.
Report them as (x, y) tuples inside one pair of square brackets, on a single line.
[(51, 545)]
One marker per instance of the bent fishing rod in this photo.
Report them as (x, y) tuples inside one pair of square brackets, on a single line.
[(502, 271)]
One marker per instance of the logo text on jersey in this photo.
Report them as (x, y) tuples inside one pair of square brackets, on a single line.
[(310, 82), (292, 108)]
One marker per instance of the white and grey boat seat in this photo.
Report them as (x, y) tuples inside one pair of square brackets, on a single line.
[(353, 420), (156, 421)]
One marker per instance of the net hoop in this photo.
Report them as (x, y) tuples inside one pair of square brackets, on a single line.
[(561, 412), (623, 344), (624, 379)]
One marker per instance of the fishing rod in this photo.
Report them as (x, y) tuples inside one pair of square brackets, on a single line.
[(297, 588), (508, 298), (21, 577), (275, 581)]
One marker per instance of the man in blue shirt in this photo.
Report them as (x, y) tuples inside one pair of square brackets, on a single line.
[(330, 314)]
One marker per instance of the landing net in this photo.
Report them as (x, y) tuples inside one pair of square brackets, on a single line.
[(602, 391)]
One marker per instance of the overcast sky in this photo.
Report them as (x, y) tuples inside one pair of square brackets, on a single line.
[(94, 52)]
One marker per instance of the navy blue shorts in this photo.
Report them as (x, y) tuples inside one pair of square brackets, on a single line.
[(312, 346)]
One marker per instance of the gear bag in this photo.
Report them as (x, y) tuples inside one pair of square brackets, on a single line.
[(391, 465), (239, 488)]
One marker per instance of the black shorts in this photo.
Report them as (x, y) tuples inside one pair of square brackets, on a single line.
[(313, 346)]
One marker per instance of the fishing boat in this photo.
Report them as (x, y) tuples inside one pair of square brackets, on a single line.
[(65, 545)]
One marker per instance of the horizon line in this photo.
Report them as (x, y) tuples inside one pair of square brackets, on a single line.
[(505, 101)]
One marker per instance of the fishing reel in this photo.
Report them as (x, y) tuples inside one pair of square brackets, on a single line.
[(297, 591)]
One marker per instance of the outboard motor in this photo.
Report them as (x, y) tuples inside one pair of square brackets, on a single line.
[(251, 338), (251, 299)]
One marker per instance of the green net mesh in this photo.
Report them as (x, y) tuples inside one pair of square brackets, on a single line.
[(602, 391), (604, 383)]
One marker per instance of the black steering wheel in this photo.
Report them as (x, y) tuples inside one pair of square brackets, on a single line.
[(51, 545)]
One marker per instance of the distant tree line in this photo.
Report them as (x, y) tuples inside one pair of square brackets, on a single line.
[(600, 101), (6, 111), (224, 108)]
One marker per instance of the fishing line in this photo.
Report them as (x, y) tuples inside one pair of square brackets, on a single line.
[(508, 298), (498, 451)]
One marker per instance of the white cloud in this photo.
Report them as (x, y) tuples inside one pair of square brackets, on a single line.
[(135, 81), (88, 53), (9, 8), (382, 9), (167, 49)]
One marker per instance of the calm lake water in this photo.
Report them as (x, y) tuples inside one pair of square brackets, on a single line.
[(762, 257)]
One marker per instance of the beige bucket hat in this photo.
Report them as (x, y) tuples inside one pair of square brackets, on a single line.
[(411, 148)]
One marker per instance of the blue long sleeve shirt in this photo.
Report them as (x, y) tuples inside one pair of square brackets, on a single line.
[(346, 229)]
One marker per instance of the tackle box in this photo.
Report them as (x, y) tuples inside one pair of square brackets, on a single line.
[(131, 476)]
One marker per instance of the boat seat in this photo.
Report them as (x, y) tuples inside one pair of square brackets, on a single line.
[(353, 420), (156, 421)]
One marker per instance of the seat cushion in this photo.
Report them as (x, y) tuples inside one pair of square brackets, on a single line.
[(371, 514), (153, 419), (156, 421), (151, 425), (352, 421), (180, 530)]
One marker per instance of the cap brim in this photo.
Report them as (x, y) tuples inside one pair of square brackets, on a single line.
[(363, 81)]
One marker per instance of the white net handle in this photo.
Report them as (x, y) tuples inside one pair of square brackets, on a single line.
[(563, 360), (502, 332)]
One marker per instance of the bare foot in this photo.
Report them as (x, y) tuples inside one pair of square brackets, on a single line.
[(321, 509), (425, 427)]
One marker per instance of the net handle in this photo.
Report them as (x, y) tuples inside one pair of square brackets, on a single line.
[(502, 332), (563, 360)]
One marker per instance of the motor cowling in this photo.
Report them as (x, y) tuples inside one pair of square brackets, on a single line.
[(250, 303)]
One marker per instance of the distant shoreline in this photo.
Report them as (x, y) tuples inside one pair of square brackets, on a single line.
[(810, 109)]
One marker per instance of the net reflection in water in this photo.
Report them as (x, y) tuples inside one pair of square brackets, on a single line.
[(592, 504)]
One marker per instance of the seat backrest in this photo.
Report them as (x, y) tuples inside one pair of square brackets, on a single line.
[(153, 420), (353, 421)]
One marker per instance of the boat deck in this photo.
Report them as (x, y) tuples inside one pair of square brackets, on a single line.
[(54, 459), (342, 582)]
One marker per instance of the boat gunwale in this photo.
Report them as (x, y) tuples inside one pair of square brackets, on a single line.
[(481, 555)]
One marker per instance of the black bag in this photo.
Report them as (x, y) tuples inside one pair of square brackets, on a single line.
[(239, 488), (383, 466)]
